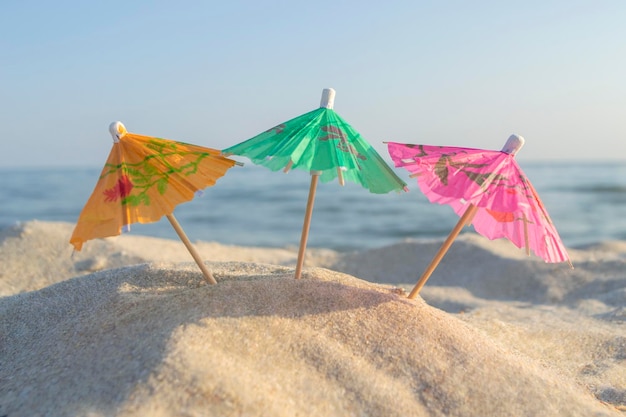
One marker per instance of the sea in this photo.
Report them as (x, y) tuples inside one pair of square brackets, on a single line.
[(253, 206)]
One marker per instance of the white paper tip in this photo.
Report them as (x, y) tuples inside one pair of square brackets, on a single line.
[(328, 98), (513, 144), (117, 130)]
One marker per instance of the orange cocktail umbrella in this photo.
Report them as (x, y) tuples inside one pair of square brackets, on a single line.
[(144, 179)]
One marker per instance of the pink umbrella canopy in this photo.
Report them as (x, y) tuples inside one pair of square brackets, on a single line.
[(487, 188)]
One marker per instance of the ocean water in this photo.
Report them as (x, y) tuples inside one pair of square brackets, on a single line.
[(253, 206)]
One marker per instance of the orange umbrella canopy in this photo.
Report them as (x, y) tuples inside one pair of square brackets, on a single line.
[(145, 178)]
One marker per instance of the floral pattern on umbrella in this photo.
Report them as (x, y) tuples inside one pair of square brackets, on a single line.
[(143, 179)]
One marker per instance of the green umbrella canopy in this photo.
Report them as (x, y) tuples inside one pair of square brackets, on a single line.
[(321, 141)]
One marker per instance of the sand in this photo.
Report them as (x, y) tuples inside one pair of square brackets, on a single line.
[(128, 327)]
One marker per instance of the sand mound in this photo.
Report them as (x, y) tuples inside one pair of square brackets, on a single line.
[(144, 336), (153, 340)]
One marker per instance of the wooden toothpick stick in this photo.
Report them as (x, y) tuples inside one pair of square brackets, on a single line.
[(307, 223), (469, 213), (181, 234)]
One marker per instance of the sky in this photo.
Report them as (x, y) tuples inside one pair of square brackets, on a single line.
[(455, 73)]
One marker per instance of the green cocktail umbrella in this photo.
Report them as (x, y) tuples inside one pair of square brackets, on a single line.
[(324, 144)]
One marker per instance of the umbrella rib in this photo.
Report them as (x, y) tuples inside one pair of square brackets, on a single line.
[(526, 242), (126, 217), (340, 176)]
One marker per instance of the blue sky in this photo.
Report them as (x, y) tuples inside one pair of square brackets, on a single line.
[(216, 73)]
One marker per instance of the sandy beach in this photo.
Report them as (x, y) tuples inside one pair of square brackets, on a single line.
[(128, 327)]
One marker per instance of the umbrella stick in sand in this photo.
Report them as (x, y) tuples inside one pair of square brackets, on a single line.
[(208, 277), (463, 221), (307, 223)]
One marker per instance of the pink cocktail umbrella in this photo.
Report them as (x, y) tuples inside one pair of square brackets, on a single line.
[(487, 189)]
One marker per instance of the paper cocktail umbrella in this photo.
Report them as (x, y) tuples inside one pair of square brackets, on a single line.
[(488, 190), (144, 179), (324, 144)]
